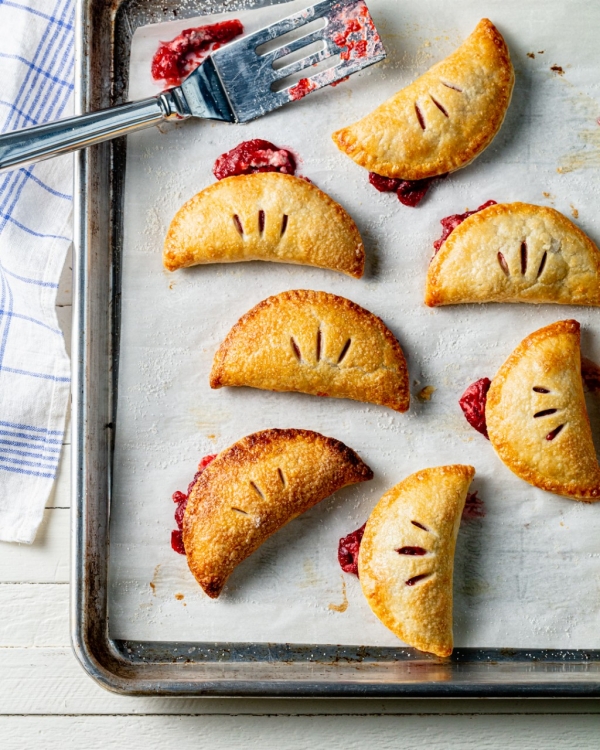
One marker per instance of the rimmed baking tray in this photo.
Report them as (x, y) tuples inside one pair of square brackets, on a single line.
[(105, 31)]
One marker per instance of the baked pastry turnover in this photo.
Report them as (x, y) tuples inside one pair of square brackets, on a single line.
[(264, 216), (406, 559), (536, 415), (317, 343), (444, 119), (255, 487), (515, 252)]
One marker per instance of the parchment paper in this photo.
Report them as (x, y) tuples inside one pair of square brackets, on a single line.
[(528, 573)]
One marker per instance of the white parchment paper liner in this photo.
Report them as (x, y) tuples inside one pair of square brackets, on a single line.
[(528, 574)]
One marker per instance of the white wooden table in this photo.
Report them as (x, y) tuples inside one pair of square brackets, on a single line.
[(47, 701)]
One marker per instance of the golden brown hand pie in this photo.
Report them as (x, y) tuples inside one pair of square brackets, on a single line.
[(264, 216), (406, 559), (443, 120), (255, 487), (536, 415), (317, 343), (515, 252)]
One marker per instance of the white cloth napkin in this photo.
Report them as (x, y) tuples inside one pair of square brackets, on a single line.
[(36, 65)]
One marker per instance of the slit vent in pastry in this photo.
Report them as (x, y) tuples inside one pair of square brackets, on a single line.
[(255, 487), (264, 216), (406, 559), (316, 343)]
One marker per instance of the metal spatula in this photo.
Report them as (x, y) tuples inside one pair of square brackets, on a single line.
[(235, 83)]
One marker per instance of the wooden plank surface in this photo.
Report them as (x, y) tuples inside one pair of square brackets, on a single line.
[(299, 733), (44, 561), (34, 616), (50, 681)]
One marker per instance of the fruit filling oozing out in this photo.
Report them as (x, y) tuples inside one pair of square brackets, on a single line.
[(348, 549), (349, 546), (181, 499), (409, 192), (252, 156), (473, 401), (449, 223), (175, 60), (474, 507)]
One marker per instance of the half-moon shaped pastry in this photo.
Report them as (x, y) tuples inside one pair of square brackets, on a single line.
[(515, 252), (444, 119), (255, 487), (317, 343), (536, 415), (406, 559), (264, 216)]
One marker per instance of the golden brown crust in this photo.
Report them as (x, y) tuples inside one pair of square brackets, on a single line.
[(264, 216), (317, 343), (515, 252), (254, 488), (444, 119), (544, 373), (419, 614)]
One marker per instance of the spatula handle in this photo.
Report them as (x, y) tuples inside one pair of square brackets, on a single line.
[(44, 141)]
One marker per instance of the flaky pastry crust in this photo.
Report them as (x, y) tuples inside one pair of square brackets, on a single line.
[(421, 513), (254, 488), (264, 216), (316, 343), (536, 415), (515, 252), (444, 119)]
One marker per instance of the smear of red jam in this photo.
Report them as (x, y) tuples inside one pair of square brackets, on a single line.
[(409, 192), (449, 223), (181, 499), (472, 402), (254, 156), (175, 60), (359, 47), (353, 36), (301, 89), (474, 507), (590, 372), (348, 549)]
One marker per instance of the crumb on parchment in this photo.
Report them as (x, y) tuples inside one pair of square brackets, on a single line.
[(426, 393)]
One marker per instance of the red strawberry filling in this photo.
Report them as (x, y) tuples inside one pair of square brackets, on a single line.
[(177, 541), (473, 401), (449, 223), (175, 60), (252, 156), (301, 89), (409, 192), (474, 507), (348, 549), (181, 499)]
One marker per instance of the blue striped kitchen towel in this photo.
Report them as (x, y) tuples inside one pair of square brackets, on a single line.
[(36, 64)]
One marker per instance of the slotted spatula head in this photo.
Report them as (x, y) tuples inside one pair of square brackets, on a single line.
[(236, 83)]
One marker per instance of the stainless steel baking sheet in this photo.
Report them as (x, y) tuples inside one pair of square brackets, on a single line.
[(525, 574)]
